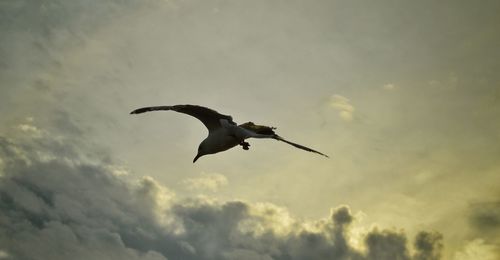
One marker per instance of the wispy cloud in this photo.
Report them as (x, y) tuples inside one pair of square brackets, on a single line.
[(3, 254), (389, 86), (206, 181), (343, 106), (477, 249)]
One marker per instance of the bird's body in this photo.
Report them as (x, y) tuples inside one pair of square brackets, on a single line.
[(223, 132), (223, 139)]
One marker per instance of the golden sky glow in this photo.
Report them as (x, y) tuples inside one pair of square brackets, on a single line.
[(403, 95)]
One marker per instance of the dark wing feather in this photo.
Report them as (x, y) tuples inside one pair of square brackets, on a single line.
[(259, 129), (279, 138), (209, 117)]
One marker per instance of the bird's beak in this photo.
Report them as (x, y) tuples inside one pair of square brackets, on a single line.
[(196, 158)]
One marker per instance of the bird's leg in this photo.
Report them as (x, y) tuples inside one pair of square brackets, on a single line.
[(245, 145)]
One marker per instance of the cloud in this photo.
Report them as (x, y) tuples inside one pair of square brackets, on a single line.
[(58, 55), (389, 87), (60, 205), (207, 181), (485, 217), (3, 254), (387, 245), (428, 246), (343, 106), (477, 249), (484, 223)]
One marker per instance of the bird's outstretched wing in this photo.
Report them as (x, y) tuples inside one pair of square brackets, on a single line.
[(261, 131), (279, 138), (209, 117)]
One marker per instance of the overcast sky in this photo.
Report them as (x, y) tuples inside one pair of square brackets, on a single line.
[(403, 95)]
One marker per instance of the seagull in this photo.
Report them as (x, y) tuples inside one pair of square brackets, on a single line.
[(223, 132)]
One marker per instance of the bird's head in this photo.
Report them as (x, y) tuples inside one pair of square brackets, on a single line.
[(201, 151)]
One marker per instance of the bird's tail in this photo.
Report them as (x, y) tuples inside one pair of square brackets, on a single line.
[(305, 148), (262, 131)]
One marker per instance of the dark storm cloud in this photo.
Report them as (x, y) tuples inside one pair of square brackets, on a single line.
[(387, 245), (57, 204), (484, 218), (428, 246), (484, 223), (393, 245), (61, 209), (486, 215)]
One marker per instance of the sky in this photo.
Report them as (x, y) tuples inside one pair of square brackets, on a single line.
[(403, 95)]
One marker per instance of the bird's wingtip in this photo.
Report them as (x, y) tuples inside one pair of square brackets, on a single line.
[(134, 112), (322, 154)]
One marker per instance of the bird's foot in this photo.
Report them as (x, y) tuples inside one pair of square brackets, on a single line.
[(245, 145)]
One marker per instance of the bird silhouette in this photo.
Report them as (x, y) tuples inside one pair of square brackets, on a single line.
[(223, 132)]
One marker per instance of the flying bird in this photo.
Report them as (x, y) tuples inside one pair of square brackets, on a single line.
[(223, 132)]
